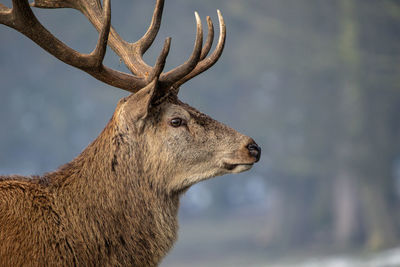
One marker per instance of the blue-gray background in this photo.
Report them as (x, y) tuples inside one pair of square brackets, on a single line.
[(315, 83)]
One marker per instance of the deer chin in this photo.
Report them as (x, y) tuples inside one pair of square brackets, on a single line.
[(182, 183), (237, 167)]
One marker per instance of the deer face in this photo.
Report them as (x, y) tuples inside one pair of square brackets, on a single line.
[(182, 145)]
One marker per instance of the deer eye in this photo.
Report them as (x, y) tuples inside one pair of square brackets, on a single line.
[(177, 122)]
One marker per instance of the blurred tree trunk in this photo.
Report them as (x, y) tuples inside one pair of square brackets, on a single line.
[(346, 194), (346, 219), (358, 181)]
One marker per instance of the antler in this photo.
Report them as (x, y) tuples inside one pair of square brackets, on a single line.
[(208, 62), (21, 18)]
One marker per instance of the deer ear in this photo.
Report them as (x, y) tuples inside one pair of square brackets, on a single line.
[(139, 103)]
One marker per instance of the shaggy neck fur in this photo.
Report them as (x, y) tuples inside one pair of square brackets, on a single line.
[(117, 213)]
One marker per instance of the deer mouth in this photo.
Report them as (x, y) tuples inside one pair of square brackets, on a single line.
[(238, 167)]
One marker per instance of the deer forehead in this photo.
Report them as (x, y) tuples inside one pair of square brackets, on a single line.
[(170, 110)]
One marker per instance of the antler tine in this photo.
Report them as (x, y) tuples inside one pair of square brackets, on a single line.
[(181, 71), (100, 51), (135, 62), (208, 62), (160, 63), (210, 38), (148, 38)]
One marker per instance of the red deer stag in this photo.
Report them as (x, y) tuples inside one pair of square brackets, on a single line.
[(116, 204)]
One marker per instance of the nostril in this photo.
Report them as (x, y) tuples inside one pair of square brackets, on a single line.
[(255, 151)]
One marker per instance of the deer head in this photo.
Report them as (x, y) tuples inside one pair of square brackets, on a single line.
[(187, 145)]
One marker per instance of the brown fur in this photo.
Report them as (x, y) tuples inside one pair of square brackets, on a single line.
[(116, 204)]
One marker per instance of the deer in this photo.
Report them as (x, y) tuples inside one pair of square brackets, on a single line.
[(116, 203)]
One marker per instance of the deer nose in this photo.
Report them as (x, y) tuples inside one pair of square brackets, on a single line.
[(255, 151)]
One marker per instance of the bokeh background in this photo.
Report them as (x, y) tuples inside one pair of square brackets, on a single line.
[(315, 83)]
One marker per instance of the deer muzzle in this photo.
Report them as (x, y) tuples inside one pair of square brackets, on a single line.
[(254, 151)]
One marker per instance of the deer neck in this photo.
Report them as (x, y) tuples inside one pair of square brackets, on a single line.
[(106, 192)]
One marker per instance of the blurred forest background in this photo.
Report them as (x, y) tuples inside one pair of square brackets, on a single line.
[(315, 83)]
